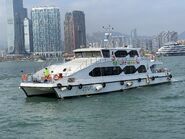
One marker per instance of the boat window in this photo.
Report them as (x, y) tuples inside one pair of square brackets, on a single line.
[(78, 55), (106, 53), (88, 54), (105, 71), (133, 53), (129, 70), (121, 53), (108, 71), (95, 72), (153, 68), (142, 69), (96, 54)]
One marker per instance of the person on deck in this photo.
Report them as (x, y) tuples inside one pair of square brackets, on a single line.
[(46, 73)]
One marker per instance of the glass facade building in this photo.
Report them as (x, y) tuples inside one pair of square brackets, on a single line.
[(46, 29), (15, 28)]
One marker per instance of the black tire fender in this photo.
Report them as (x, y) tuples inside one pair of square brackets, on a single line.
[(59, 85), (80, 86), (69, 87)]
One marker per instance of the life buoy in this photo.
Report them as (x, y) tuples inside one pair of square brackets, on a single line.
[(56, 77), (24, 77), (59, 85)]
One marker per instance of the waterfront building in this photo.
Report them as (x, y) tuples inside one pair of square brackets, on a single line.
[(28, 37), (74, 31), (46, 31), (15, 28)]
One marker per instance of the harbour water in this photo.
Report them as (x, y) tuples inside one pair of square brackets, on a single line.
[(155, 112)]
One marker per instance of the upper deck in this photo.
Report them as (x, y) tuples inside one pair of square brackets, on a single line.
[(107, 52)]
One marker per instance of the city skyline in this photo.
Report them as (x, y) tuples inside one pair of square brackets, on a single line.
[(147, 16)]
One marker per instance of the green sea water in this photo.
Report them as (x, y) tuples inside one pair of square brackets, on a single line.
[(155, 112)]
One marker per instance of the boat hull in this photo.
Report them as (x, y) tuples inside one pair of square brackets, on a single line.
[(31, 92), (91, 89), (31, 89), (104, 88)]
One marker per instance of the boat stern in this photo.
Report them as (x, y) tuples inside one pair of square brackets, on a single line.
[(38, 89)]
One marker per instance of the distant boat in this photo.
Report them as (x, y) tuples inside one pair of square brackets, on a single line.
[(172, 49), (40, 60)]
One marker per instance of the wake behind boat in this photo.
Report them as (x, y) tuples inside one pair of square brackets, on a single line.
[(96, 71)]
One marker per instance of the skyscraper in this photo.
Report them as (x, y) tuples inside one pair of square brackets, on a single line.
[(15, 28), (46, 29), (74, 31), (28, 36), (134, 38)]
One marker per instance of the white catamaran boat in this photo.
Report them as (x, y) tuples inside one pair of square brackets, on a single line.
[(96, 71)]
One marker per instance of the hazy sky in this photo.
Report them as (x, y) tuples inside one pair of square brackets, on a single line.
[(148, 16)]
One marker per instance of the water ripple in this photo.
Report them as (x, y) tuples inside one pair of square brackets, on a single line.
[(146, 112)]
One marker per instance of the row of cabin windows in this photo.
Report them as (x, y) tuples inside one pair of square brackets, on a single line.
[(124, 53), (108, 71), (106, 54), (88, 54), (120, 53)]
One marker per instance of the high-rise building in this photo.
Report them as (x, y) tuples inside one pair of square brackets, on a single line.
[(74, 31), (133, 33), (134, 38), (69, 33), (28, 36), (15, 28), (46, 30)]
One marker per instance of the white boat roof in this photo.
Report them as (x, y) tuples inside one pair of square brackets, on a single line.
[(99, 49)]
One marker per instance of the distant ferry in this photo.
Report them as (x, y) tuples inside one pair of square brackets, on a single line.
[(172, 49), (96, 71)]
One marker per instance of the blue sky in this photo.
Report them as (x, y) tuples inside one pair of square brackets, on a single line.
[(148, 16)]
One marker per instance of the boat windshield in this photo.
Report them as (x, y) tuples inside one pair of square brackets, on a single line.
[(88, 54)]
